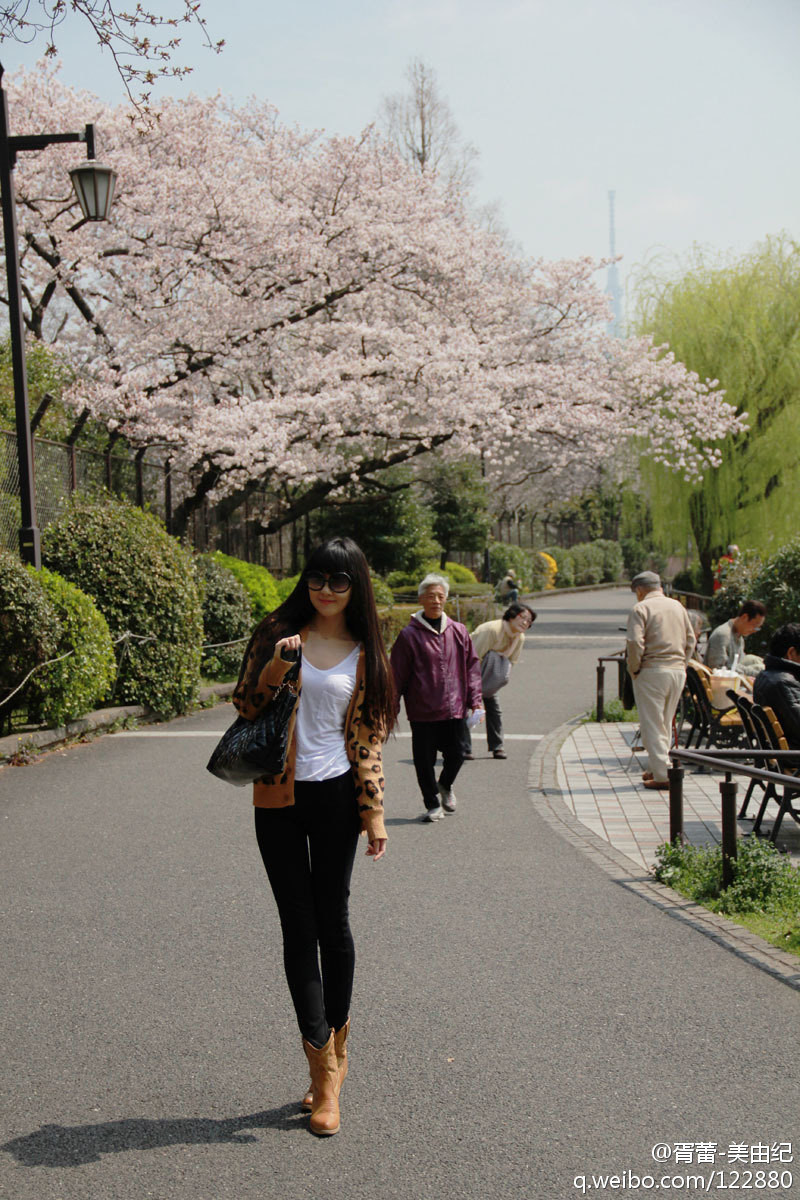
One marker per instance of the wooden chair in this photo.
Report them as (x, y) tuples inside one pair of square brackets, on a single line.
[(718, 726), (771, 735)]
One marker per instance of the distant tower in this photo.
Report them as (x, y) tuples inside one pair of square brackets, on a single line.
[(613, 290)]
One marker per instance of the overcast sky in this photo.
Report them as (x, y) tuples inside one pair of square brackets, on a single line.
[(688, 109)]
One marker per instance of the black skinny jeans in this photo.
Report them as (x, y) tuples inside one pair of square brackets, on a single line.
[(308, 850)]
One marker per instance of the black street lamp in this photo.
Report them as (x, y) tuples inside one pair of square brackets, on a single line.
[(94, 187)]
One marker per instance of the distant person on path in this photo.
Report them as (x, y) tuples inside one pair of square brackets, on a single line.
[(308, 821), (437, 672), (501, 640), (778, 685), (660, 642), (508, 588), (726, 643)]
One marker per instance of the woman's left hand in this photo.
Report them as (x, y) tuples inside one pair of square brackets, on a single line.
[(377, 848)]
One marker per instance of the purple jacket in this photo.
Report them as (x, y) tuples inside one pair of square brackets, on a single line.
[(438, 673)]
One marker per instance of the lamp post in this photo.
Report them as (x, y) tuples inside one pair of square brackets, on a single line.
[(94, 187)]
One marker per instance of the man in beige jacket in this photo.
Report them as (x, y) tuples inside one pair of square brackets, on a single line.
[(660, 642)]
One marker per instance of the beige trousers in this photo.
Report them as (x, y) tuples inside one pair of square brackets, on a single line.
[(657, 691)]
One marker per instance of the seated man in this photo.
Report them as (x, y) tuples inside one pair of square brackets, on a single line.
[(778, 685), (726, 642)]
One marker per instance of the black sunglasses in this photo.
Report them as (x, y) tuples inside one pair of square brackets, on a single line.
[(339, 581)]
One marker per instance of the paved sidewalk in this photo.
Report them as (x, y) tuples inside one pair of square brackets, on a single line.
[(600, 781)]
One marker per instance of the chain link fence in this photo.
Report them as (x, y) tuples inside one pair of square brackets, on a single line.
[(60, 469)]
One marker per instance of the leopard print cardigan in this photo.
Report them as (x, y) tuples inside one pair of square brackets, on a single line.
[(262, 674)]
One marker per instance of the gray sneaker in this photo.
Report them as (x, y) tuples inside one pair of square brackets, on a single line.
[(433, 814), (448, 799)]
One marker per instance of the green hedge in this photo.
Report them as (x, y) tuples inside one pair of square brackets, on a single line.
[(774, 580), (82, 681), (29, 625), (257, 581), (227, 615), (143, 582)]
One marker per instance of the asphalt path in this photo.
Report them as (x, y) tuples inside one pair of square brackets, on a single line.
[(519, 1018)]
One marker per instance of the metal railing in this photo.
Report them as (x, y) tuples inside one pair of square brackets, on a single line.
[(61, 468), (729, 761)]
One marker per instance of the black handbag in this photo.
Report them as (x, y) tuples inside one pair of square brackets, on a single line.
[(251, 749)]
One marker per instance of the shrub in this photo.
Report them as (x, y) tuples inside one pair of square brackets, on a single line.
[(588, 560), (615, 710), (68, 689), (565, 565), (550, 566), (143, 582), (503, 557), (777, 584), (458, 573), (611, 558), (29, 625), (259, 584), (227, 615), (286, 586), (764, 880), (383, 593), (392, 620)]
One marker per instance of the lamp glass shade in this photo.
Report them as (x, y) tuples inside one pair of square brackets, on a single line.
[(94, 187)]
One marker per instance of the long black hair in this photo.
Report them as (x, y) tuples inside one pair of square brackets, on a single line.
[(361, 618)]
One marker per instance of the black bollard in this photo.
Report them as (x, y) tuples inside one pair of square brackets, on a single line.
[(727, 791), (601, 672), (675, 776)]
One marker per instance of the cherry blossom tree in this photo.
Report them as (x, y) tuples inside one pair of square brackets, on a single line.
[(292, 314), (142, 41)]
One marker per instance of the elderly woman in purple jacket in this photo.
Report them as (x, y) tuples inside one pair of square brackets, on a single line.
[(437, 671)]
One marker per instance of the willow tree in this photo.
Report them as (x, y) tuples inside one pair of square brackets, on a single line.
[(738, 322)]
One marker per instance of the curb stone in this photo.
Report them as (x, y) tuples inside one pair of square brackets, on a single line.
[(548, 801), (94, 722)]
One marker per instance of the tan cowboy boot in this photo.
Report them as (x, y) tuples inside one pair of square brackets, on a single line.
[(340, 1042), (325, 1087)]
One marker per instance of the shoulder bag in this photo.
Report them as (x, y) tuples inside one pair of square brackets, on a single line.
[(495, 672), (251, 749)]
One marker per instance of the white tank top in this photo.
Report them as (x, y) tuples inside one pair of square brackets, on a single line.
[(321, 714)]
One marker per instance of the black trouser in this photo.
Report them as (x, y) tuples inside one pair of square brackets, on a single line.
[(308, 850), (494, 724), (428, 737)]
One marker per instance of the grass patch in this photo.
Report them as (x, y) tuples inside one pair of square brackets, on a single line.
[(764, 895), (614, 710)]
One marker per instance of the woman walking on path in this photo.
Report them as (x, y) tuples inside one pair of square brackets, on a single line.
[(498, 644), (308, 820)]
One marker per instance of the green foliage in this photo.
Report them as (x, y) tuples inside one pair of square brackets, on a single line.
[(392, 620), (458, 573), (458, 498), (588, 561), (738, 322), (79, 683), (383, 593), (615, 710), (29, 625), (257, 581), (610, 559), (565, 565), (286, 586), (227, 615), (778, 586), (764, 880), (143, 582), (741, 583), (775, 581), (390, 524), (504, 557)]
